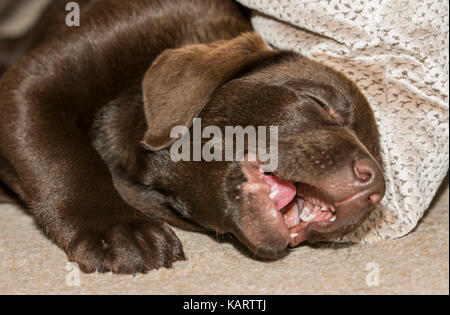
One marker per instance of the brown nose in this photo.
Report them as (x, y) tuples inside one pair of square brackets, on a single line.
[(370, 179)]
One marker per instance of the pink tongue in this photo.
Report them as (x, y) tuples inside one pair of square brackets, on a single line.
[(281, 191)]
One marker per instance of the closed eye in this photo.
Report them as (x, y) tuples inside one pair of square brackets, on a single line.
[(319, 102), (327, 109)]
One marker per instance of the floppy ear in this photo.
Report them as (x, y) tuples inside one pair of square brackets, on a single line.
[(180, 82)]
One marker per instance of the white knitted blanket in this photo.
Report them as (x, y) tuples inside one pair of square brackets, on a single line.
[(397, 53)]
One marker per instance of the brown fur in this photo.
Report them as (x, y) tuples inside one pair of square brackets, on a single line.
[(86, 114)]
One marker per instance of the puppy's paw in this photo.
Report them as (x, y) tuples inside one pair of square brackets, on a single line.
[(128, 248)]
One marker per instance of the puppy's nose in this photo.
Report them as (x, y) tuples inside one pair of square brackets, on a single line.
[(370, 178)]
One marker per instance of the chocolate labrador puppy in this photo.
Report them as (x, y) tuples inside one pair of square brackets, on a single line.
[(85, 134)]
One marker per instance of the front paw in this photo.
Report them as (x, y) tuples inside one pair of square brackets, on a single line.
[(127, 248)]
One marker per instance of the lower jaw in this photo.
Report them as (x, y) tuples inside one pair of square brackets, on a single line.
[(301, 212)]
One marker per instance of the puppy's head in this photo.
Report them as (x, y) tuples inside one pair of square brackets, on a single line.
[(328, 177)]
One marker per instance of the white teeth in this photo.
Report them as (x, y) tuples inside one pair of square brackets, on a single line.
[(307, 218), (273, 194), (306, 210), (309, 210), (293, 235), (307, 214)]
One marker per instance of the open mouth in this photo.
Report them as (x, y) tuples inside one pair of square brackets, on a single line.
[(290, 211), (301, 205)]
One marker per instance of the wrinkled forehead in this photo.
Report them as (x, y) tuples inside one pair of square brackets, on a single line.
[(272, 95), (249, 101), (294, 71)]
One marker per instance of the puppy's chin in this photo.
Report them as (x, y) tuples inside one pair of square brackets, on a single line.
[(259, 224)]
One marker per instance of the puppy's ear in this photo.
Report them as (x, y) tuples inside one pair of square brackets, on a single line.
[(180, 82)]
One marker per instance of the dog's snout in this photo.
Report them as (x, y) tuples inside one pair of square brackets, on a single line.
[(369, 177)]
